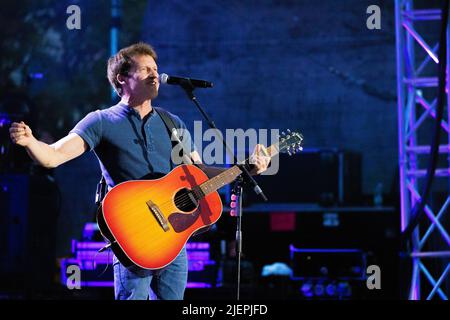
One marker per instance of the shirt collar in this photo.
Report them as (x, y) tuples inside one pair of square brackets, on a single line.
[(130, 111)]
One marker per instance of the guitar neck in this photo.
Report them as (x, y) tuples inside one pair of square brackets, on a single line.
[(229, 175)]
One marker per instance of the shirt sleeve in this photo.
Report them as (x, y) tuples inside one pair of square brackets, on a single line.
[(90, 129)]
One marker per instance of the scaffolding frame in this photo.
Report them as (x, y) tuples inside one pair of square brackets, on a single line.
[(413, 110)]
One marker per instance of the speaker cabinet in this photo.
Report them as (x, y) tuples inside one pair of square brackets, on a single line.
[(325, 176), (270, 230)]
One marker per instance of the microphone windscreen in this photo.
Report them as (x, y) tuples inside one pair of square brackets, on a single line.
[(163, 77)]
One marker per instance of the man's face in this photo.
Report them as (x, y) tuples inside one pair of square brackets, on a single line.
[(143, 79)]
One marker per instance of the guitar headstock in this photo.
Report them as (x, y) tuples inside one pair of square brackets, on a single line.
[(290, 142)]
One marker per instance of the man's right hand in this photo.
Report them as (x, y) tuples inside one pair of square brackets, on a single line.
[(21, 134)]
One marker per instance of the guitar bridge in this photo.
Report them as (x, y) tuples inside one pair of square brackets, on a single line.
[(158, 215)]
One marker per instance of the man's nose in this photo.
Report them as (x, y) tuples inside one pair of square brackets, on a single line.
[(154, 73), (153, 76)]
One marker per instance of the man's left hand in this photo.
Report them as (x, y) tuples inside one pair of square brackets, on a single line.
[(260, 159)]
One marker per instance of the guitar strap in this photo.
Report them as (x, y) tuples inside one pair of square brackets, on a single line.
[(170, 125)]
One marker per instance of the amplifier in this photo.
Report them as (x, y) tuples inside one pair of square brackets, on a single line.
[(95, 267), (270, 229), (202, 269), (324, 176), (337, 264), (92, 264)]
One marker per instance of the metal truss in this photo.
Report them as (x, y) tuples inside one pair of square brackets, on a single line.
[(417, 98)]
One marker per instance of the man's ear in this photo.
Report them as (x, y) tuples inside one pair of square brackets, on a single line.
[(120, 79)]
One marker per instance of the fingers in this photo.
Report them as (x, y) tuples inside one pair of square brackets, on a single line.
[(18, 131), (18, 128), (257, 149), (263, 151), (17, 124), (260, 158), (260, 150), (21, 125), (13, 130), (261, 163), (15, 136)]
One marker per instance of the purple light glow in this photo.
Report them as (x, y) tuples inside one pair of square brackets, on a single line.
[(199, 265), (4, 120), (197, 245), (36, 75), (198, 285), (202, 255), (89, 245), (293, 249), (97, 284)]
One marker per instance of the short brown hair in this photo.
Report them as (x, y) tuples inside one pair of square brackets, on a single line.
[(121, 63)]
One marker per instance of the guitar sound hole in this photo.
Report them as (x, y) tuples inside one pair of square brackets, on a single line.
[(185, 200)]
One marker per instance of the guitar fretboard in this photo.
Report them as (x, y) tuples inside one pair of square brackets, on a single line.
[(229, 175), (220, 180)]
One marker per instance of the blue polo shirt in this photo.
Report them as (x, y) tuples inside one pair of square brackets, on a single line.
[(128, 147)]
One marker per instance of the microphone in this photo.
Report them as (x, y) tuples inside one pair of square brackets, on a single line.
[(166, 79)]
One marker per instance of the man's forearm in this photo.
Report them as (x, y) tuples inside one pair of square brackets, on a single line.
[(42, 153)]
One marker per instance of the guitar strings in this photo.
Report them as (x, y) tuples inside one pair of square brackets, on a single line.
[(182, 200), (179, 202)]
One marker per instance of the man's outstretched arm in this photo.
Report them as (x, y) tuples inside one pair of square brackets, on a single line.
[(49, 156)]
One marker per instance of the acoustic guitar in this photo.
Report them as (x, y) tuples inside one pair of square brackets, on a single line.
[(147, 222)]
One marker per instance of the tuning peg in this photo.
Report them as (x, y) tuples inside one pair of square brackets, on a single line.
[(233, 204), (233, 213)]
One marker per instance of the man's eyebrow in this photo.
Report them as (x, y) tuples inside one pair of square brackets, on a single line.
[(148, 66)]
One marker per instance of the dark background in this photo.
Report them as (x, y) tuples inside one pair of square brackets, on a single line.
[(311, 66)]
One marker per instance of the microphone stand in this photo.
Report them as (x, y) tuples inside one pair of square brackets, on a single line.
[(245, 175), (237, 192)]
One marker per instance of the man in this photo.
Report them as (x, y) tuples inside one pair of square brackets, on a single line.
[(130, 141)]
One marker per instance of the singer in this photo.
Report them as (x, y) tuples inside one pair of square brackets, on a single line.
[(131, 140)]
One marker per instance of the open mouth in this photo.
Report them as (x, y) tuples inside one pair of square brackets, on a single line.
[(153, 80)]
